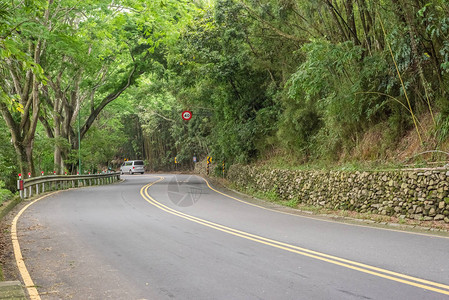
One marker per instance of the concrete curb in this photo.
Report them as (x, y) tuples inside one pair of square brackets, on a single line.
[(5, 209), (11, 290)]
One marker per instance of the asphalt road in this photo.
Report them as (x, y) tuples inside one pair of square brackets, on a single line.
[(173, 237)]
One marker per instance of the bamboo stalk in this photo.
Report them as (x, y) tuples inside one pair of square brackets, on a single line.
[(400, 78)]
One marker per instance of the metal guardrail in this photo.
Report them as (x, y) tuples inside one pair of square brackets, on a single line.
[(36, 185)]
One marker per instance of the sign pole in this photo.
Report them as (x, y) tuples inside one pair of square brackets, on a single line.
[(209, 160)]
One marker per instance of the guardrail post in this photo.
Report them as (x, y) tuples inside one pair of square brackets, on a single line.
[(43, 183), (20, 186), (29, 176)]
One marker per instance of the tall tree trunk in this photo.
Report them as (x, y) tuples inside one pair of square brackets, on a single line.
[(29, 158), (57, 157)]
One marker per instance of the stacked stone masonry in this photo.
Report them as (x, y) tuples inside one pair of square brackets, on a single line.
[(413, 194)]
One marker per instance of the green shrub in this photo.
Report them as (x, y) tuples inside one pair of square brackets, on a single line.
[(4, 193)]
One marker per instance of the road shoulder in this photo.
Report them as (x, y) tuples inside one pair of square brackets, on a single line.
[(12, 287), (340, 216)]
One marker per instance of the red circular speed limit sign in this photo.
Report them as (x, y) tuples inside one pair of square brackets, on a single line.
[(186, 115)]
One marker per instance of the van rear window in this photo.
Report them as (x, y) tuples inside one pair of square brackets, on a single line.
[(138, 163)]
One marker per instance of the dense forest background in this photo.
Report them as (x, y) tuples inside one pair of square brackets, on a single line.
[(285, 82)]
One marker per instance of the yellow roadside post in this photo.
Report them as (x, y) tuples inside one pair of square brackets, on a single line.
[(209, 161)]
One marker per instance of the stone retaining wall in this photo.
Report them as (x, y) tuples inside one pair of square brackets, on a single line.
[(414, 194)]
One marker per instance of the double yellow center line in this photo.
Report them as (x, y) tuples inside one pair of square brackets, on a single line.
[(394, 276)]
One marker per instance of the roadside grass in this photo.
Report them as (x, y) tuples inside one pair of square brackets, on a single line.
[(3, 198), (293, 203), (5, 194)]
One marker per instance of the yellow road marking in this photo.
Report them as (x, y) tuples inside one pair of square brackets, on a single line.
[(322, 220), (406, 279), (29, 284)]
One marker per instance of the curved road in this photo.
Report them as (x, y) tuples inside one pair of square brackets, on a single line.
[(173, 236)]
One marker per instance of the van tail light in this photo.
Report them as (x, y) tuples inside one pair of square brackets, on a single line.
[(133, 167)]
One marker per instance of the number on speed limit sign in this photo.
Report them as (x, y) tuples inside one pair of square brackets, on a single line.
[(186, 115)]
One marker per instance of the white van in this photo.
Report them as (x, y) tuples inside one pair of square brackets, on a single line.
[(132, 166)]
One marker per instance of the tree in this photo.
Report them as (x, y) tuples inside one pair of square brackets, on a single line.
[(103, 55), (22, 48)]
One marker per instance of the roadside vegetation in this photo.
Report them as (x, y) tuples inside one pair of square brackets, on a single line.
[(294, 84), (5, 194)]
